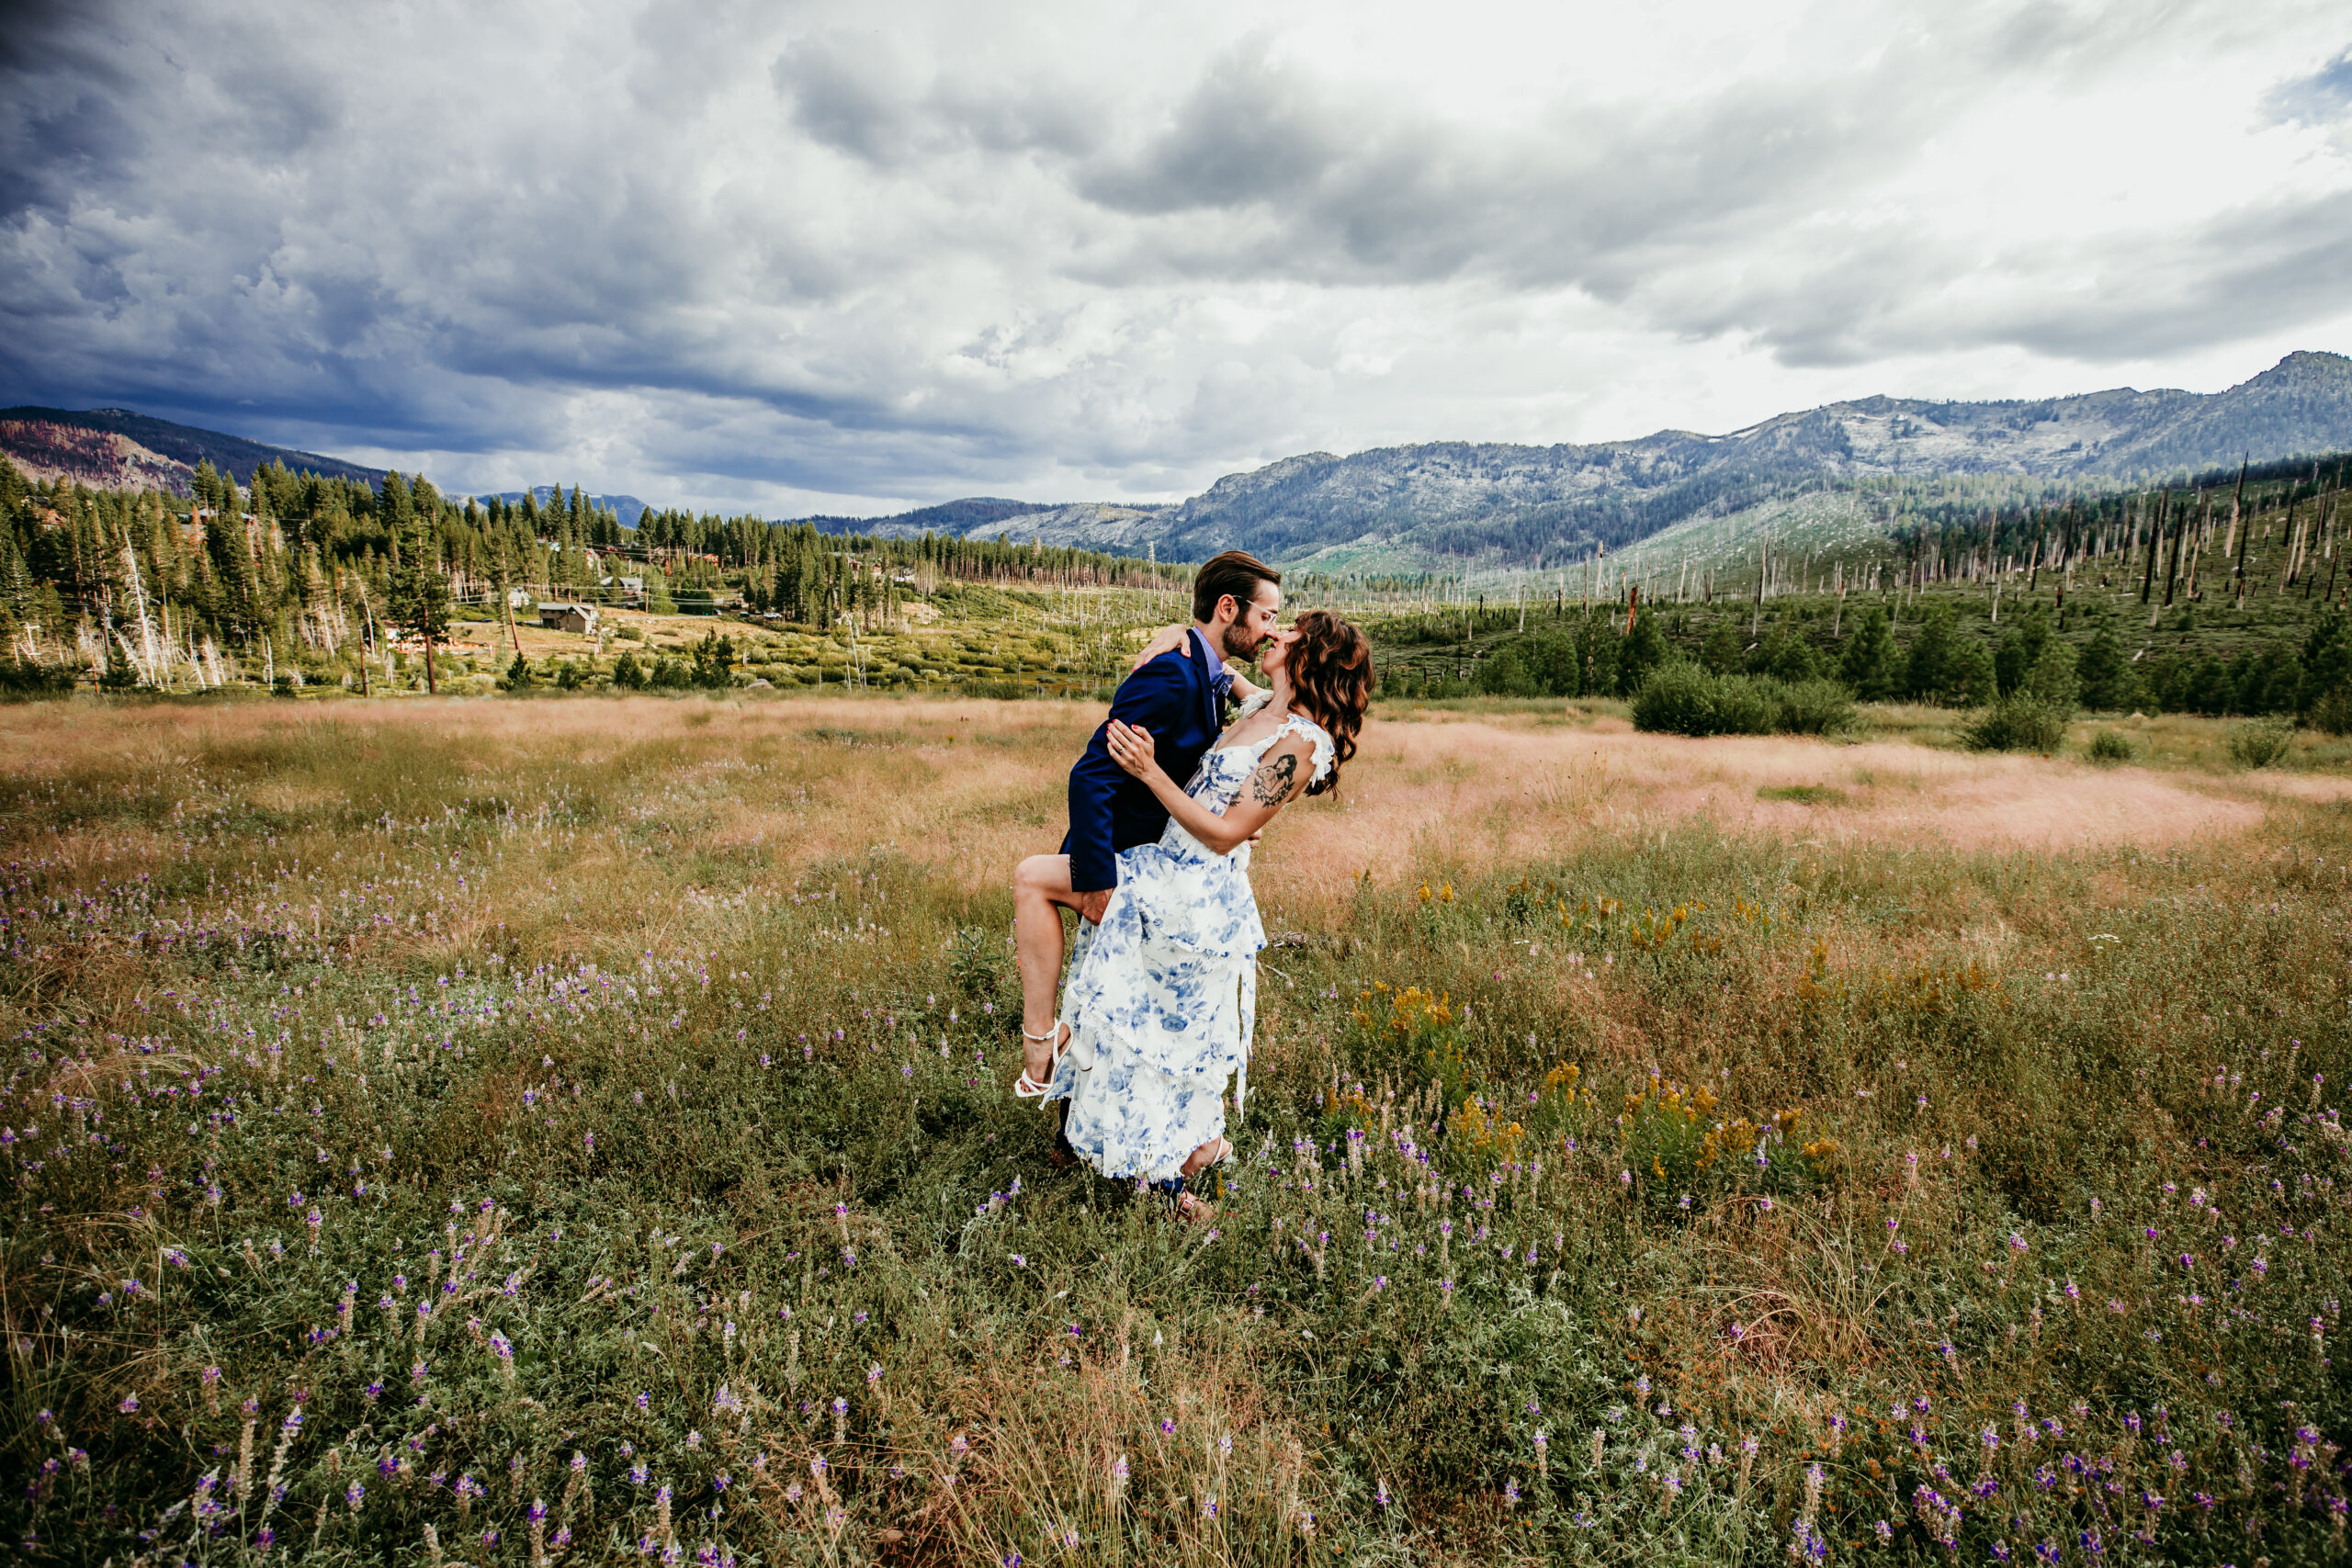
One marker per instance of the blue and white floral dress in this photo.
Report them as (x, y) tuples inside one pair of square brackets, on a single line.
[(1162, 996)]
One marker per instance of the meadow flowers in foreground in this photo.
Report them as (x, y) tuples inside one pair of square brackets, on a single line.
[(380, 1195)]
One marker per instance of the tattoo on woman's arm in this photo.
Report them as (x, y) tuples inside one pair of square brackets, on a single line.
[(1274, 780)]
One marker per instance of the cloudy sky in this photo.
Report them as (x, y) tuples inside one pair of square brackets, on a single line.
[(849, 258)]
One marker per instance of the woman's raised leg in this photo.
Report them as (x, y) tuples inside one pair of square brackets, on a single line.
[(1040, 891)]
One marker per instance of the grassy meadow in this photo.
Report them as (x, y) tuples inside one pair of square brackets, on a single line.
[(564, 1131)]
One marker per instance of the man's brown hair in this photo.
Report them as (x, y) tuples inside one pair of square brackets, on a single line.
[(1237, 572)]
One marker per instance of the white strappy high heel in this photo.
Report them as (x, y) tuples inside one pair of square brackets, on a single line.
[(1026, 1087)]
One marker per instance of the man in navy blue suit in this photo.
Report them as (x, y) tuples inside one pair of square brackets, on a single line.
[(1179, 699)]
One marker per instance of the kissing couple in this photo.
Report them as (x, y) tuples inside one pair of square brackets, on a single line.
[(1162, 995)]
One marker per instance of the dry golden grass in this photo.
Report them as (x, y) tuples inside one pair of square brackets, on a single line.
[(1475, 794), (974, 785)]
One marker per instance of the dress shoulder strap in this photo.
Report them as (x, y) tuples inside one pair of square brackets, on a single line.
[(1325, 751)]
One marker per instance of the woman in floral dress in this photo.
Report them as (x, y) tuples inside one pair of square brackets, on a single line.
[(1161, 994)]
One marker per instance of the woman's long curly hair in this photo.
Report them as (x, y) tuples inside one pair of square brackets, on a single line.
[(1332, 679)]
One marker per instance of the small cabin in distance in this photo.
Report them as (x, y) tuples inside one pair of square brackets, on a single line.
[(565, 617)]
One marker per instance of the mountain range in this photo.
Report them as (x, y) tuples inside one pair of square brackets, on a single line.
[(1463, 505), (116, 450), (1470, 506)]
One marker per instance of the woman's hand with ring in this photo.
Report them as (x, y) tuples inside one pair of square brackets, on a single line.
[(1131, 748)]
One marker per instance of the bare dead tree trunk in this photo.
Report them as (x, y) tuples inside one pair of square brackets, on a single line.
[(2238, 533), (2179, 542), (2326, 533), (368, 632)]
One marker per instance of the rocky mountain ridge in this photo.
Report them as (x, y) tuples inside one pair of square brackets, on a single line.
[(115, 449), (1454, 503), (1485, 506)]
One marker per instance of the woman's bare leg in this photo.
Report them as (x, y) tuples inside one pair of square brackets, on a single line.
[(1207, 1154), (1040, 891)]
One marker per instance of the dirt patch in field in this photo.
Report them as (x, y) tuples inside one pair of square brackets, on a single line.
[(2300, 786), (1487, 793)]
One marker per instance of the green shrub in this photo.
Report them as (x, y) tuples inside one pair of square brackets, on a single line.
[(975, 956), (2052, 676), (1803, 795), (2333, 712), (519, 677), (1812, 707), (120, 677), (1506, 675), (2262, 742), (1686, 699), (20, 680), (2110, 746), (2021, 722), (1682, 699)]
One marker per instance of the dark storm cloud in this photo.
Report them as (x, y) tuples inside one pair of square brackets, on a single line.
[(1332, 184), (1638, 208), (847, 96), (62, 71), (857, 93)]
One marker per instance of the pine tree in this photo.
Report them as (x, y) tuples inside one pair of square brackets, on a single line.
[(1867, 662), (2103, 672), (420, 591), (16, 585), (235, 584), (1642, 649), (1924, 675), (1721, 653)]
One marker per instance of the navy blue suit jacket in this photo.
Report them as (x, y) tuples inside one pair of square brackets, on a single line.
[(1110, 808)]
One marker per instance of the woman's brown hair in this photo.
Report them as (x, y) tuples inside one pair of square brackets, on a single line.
[(1331, 677)]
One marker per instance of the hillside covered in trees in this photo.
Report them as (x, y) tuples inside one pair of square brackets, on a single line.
[(303, 579), (2224, 594)]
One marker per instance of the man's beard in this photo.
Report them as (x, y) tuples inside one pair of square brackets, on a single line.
[(1239, 644)]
